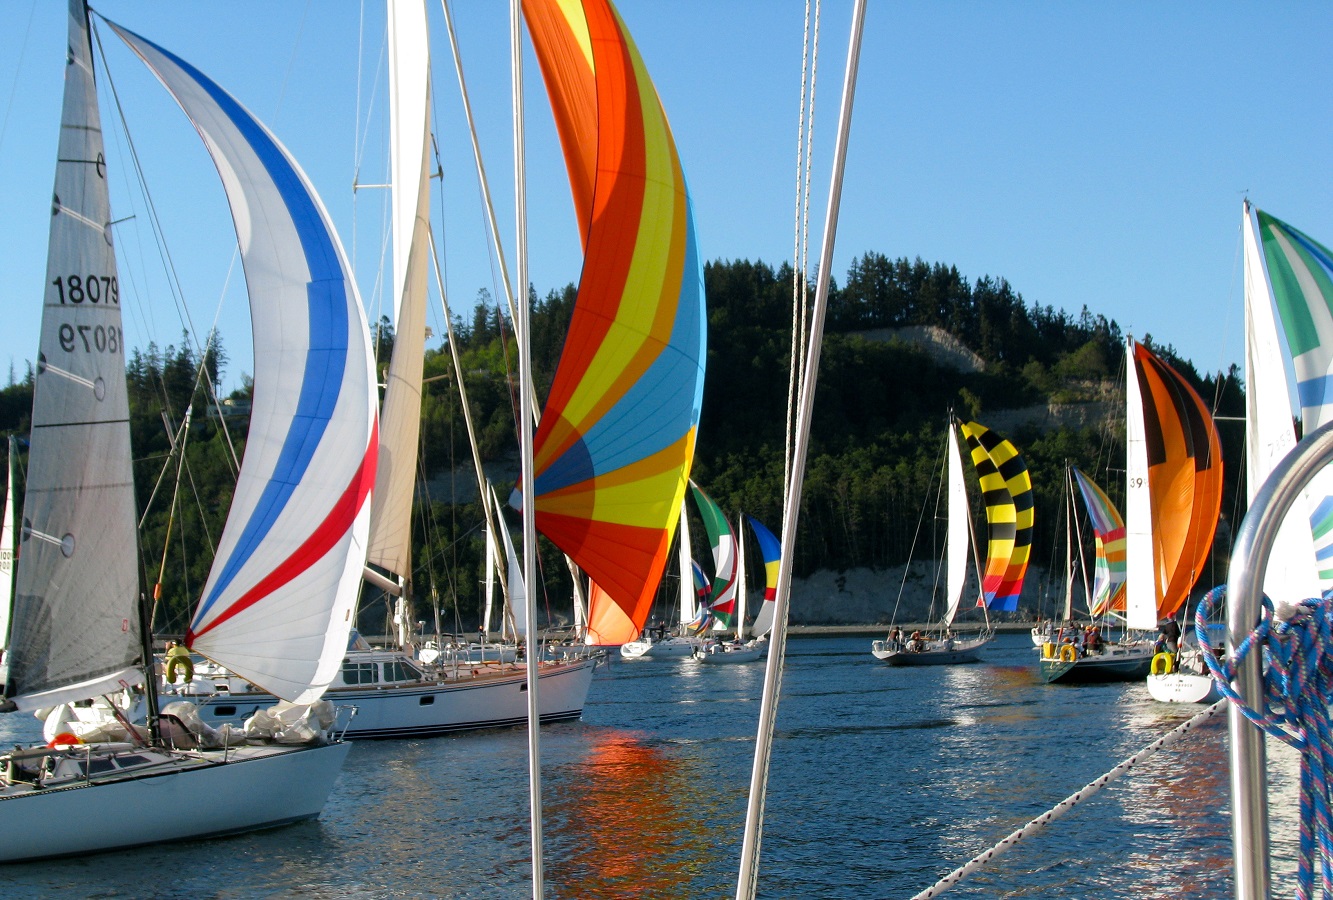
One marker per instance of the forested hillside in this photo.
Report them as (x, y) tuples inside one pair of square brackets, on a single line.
[(875, 454)]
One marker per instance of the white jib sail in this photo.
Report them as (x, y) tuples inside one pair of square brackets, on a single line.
[(400, 419), (518, 593), (687, 607)]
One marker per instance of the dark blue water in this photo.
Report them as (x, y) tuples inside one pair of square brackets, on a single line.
[(882, 780)]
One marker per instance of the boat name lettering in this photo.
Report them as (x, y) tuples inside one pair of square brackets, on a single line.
[(94, 289), (93, 338)]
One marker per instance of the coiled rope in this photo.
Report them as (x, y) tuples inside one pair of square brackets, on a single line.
[(1069, 803), (1298, 689)]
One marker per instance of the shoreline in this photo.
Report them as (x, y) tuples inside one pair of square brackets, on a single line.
[(958, 627)]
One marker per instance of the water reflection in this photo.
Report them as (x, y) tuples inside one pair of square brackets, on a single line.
[(631, 819)]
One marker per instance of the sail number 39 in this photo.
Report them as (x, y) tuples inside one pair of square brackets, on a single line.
[(76, 289)]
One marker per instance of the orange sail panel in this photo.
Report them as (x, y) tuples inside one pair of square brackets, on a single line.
[(608, 626), (1184, 478), (1006, 487), (616, 440)]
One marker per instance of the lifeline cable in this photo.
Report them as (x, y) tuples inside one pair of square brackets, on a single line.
[(1298, 689), (1068, 803)]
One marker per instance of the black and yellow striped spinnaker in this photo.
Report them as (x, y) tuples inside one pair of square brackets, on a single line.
[(1006, 487)]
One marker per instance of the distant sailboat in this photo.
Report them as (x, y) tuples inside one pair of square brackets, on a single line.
[(1173, 498), (289, 558), (1007, 488)]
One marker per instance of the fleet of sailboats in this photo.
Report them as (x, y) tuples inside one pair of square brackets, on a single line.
[(324, 498)]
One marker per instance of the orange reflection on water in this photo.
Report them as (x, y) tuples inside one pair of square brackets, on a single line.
[(628, 820)]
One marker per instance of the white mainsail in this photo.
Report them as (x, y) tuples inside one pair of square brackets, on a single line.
[(1140, 569), (688, 610), (76, 629), (7, 556), (400, 420), (958, 534)]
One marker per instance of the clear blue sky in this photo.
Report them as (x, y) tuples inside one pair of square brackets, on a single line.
[(1092, 154)]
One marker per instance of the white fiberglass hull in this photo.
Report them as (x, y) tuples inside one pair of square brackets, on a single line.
[(717, 655), (194, 795), (1182, 687), (669, 647), (420, 709)]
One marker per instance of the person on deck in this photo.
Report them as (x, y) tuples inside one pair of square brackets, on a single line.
[(1170, 630)]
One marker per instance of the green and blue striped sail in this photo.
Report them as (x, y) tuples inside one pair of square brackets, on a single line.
[(1299, 273)]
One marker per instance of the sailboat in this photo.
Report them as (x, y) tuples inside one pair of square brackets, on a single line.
[(396, 694), (741, 650), (1173, 498), (1007, 487), (726, 599), (289, 556)]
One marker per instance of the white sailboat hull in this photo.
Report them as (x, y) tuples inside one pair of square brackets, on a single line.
[(720, 655), (194, 795), (424, 708), (1182, 687), (648, 648)]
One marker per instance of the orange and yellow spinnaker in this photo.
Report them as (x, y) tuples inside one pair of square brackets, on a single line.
[(616, 440)]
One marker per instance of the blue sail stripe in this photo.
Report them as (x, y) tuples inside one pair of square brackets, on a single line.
[(327, 314), (1312, 392)]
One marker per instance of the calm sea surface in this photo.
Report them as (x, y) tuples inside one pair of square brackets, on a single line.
[(882, 780)]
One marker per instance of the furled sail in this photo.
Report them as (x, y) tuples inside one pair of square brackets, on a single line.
[(1006, 488), (616, 440), (1108, 583), (400, 420), (277, 607), (75, 628), (722, 590), (1289, 274), (1174, 489), (770, 549)]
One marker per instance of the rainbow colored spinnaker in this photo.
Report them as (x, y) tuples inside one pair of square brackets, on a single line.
[(613, 451), (1108, 583), (771, 551), (1006, 488), (1174, 489)]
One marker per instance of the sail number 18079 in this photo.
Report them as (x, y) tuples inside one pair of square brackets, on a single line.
[(77, 289)]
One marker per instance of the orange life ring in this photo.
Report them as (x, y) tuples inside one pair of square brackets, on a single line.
[(1068, 653), (67, 738)]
